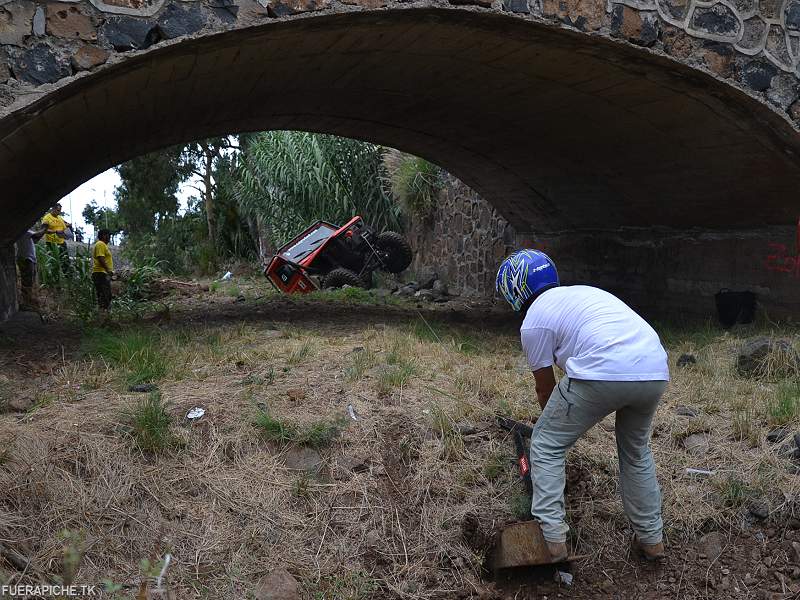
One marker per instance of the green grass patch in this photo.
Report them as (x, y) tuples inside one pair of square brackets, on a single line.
[(138, 353), (300, 352), (453, 338), (149, 424), (734, 492), (784, 407), (393, 376), (361, 361), (496, 465), (317, 435)]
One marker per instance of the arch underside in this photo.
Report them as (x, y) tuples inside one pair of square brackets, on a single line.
[(558, 130)]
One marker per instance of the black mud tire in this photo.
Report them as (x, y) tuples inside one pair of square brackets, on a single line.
[(341, 277), (397, 250)]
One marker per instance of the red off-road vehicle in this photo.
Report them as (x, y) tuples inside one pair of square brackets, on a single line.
[(327, 256)]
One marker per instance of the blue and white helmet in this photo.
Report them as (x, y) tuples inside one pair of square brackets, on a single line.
[(523, 274)]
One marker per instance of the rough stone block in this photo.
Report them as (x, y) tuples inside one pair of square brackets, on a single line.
[(777, 47), (88, 57), (225, 10), (284, 8), (757, 75), (770, 9), (794, 111), (784, 90), (130, 33), (586, 15), (5, 72), (718, 20), (516, 6), (520, 545), (16, 21), (754, 34), (718, 57), (640, 28), (678, 43), (40, 65), (39, 22), (677, 9), (176, 21), (69, 21), (792, 15)]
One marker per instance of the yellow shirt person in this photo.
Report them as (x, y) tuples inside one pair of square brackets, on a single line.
[(101, 249), (55, 225)]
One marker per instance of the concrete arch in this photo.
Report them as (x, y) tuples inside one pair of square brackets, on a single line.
[(560, 130)]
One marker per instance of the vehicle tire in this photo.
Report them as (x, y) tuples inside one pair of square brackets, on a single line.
[(341, 277), (397, 249)]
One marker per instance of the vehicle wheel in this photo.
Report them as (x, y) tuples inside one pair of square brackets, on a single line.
[(341, 277), (397, 250)]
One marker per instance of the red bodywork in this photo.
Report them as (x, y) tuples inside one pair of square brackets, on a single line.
[(291, 274)]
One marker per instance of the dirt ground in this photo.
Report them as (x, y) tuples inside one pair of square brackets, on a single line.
[(388, 476)]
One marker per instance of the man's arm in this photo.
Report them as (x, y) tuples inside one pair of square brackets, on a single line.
[(39, 232), (545, 383)]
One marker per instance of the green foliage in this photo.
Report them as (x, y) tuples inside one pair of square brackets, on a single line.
[(290, 179), (347, 585), (138, 353), (147, 195), (317, 435), (74, 282), (496, 465), (734, 492), (414, 182), (360, 362), (149, 424), (274, 430), (784, 406), (103, 218)]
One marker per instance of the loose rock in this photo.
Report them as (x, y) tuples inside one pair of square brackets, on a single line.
[(278, 585), (697, 443), (686, 411), (684, 360), (303, 459), (759, 509), (143, 387), (711, 544), (778, 434)]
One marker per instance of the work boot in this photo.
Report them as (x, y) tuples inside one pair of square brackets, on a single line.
[(558, 551), (650, 551)]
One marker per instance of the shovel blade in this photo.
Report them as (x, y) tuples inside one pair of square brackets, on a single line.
[(520, 545)]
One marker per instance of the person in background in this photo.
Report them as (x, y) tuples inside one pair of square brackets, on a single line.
[(102, 269), (56, 237), (26, 262), (613, 362)]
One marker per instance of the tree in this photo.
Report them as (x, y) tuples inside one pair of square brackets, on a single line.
[(148, 192), (289, 179), (205, 159), (102, 218)]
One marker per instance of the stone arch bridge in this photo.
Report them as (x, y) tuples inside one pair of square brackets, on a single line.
[(657, 136)]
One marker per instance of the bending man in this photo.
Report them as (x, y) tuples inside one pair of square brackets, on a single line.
[(614, 362)]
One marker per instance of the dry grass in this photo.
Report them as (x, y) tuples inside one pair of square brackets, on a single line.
[(382, 519)]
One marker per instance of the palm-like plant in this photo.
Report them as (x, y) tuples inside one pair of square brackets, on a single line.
[(290, 179)]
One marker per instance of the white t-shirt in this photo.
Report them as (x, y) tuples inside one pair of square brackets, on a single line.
[(591, 334)]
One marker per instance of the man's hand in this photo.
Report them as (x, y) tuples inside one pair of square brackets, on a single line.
[(545, 383)]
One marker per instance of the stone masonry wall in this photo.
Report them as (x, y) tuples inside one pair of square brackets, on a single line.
[(463, 241), (662, 274), (754, 44), (8, 282)]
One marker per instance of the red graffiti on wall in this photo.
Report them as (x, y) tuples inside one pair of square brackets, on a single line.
[(781, 259)]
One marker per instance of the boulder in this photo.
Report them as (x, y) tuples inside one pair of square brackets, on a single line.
[(766, 356)]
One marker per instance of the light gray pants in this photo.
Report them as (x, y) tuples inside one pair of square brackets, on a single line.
[(575, 406)]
